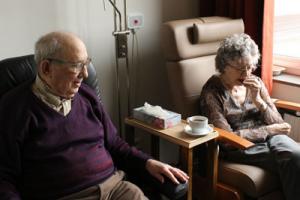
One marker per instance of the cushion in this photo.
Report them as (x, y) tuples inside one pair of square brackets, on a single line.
[(178, 38), (211, 32), (254, 181)]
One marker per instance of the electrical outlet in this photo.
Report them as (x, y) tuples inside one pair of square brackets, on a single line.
[(135, 20), (121, 40)]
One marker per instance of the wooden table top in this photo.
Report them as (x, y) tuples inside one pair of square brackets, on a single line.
[(174, 134)]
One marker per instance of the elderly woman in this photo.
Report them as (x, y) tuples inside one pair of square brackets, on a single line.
[(238, 101)]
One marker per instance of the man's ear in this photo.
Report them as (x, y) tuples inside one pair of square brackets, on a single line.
[(45, 67)]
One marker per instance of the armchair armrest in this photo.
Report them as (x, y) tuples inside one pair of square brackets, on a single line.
[(233, 139), (151, 186), (287, 105), (168, 188), (242, 143)]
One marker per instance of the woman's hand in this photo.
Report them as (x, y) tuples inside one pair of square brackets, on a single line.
[(254, 85), (158, 169), (283, 128)]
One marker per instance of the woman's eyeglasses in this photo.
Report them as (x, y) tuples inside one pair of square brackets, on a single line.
[(245, 68), (76, 66)]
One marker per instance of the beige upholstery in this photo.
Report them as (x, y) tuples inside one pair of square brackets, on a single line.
[(206, 32), (190, 47), (178, 38), (190, 64), (254, 181)]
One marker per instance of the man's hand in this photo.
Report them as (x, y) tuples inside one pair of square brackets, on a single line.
[(158, 169)]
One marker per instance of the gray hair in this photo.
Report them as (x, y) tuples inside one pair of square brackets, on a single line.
[(237, 46), (48, 46)]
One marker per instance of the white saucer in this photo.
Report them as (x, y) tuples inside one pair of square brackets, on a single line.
[(207, 130)]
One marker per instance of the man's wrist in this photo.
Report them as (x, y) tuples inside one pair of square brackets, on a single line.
[(149, 163)]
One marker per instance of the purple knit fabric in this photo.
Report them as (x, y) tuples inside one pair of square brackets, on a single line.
[(45, 155)]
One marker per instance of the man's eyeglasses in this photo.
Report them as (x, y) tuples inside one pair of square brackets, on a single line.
[(77, 66), (242, 69)]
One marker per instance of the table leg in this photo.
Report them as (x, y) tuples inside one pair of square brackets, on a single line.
[(155, 146), (186, 157), (212, 168), (129, 134), (190, 172)]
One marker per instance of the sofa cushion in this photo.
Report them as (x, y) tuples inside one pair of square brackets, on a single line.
[(254, 181)]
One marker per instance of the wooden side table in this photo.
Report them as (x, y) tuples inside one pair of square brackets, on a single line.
[(177, 136)]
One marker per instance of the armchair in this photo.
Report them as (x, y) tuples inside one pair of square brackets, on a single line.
[(190, 47), (15, 71)]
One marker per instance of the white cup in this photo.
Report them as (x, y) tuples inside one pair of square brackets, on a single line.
[(197, 123)]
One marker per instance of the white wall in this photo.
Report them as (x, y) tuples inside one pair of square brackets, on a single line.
[(23, 21), (286, 92)]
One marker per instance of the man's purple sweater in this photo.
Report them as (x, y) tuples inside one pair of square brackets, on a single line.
[(45, 155)]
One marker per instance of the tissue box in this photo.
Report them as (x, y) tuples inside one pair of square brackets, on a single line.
[(163, 123)]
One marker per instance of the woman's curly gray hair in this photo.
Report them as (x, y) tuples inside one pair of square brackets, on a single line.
[(235, 47)]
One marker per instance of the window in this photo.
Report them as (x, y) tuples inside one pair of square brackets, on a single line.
[(287, 35)]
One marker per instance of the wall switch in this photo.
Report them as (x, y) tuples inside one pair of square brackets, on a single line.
[(135, 20)]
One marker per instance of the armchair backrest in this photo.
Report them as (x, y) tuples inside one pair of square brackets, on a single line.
[(14, 71), (190, 48)]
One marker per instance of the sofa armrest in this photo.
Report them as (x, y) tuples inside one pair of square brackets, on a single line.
[(233, 139)]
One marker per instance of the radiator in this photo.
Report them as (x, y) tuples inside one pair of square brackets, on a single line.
[(294, 121)]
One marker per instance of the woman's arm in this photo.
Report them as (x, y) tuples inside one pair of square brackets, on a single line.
[(262, 100), (211, 105)]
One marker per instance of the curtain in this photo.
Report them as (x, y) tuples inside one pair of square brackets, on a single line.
[(267, 44), (258, 19)]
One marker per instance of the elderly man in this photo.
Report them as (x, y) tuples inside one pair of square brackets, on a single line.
[(57, 141)]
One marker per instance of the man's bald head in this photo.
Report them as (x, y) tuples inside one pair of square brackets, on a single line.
[(57, 43)]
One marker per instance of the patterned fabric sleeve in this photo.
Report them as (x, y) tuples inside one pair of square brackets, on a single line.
[(271, 115), (213, 102), (211, 106)]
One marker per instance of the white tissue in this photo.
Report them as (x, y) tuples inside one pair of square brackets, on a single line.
[(156, 111)]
